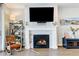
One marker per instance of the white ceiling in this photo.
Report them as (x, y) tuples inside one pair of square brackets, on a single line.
[(15, 5), (73, 5), (23, 5)]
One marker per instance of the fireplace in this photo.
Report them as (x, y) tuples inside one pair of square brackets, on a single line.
[(41, 41)]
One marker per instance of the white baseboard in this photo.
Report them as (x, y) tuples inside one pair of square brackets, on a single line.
[(60, 45)]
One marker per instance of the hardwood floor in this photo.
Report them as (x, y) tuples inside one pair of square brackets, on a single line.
[(68, 52), (45, 52)]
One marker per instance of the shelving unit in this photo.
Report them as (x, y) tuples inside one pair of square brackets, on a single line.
[(17, 30)]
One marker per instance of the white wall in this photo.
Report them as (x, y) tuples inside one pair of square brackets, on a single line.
[(19, 13), (0, 29), (5, 22), (68, 12), (6, 19)]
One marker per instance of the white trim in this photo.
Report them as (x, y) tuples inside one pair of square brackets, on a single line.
[(60, 45), (3, 29)]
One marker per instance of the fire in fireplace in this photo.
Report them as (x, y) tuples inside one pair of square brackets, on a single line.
[(41, 41)]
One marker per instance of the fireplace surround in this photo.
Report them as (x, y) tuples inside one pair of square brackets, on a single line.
[(40, 29)]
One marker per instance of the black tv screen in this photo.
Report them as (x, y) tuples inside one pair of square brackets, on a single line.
[(41, 14)]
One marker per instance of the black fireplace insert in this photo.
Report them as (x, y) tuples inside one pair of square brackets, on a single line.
[(41, 41)]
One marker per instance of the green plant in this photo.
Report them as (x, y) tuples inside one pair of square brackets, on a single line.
[(74, 30)]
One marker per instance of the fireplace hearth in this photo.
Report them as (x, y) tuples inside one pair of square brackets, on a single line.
[(41, 41)]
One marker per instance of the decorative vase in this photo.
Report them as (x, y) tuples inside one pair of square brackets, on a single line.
[(74, 34)]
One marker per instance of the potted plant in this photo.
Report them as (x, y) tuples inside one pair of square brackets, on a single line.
[(74, 30)]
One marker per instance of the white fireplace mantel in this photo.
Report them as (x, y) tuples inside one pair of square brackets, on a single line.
[(41, 29)]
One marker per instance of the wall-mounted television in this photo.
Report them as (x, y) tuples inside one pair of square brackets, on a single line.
[(41, 14)]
